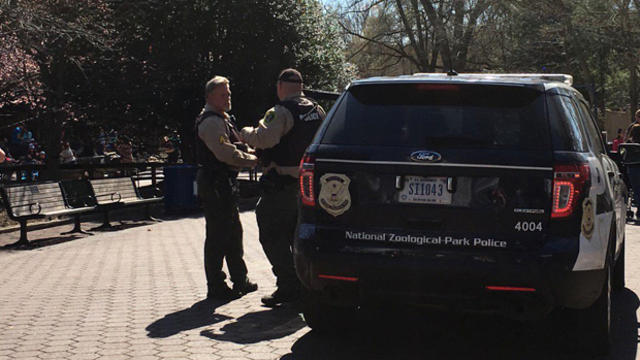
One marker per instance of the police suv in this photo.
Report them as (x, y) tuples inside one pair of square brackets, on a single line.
[(480, 192)]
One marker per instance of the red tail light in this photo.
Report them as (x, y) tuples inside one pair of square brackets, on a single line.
[(307, 164), (568, 185), (335, 277), (510, 288)]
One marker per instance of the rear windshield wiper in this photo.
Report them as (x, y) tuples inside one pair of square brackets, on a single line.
[(455, 140)]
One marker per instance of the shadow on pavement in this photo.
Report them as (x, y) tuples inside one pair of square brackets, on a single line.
[(122, 225), (413, 333), (35, 242), (260, 326), (198, 315), (42, 242), (244, 204), (625, 325)]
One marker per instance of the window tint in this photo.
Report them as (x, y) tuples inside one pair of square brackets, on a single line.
[(440, 115), (595, 136), (564, 120)]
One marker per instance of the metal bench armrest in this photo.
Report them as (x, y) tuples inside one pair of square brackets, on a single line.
[(39, 207), (112, 195)]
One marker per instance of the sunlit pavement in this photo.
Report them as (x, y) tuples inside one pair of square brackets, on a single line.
[(136, 294)]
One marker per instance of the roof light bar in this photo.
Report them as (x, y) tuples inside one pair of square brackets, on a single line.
[(563, 78)]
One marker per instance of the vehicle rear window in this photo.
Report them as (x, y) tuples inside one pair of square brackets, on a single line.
[(440, 115), (566, 133)]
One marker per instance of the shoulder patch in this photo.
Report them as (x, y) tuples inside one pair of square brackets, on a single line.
[(269, 116)]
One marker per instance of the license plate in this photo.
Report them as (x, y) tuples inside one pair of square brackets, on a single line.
[(425, 190)]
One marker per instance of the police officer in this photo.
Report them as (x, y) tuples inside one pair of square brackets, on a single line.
[(219, 160), (282, 136)]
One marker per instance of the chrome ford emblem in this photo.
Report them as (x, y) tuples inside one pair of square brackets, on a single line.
[(425, 156)]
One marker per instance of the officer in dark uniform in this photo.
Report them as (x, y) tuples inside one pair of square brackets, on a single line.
[(282, 135), (219, 160)]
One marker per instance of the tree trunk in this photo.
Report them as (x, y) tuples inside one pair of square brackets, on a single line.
[(51, 142), (633, 89)]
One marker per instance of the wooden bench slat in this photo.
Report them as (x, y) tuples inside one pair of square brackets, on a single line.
[(35, 203), (113, 188), (35, 198), (105, 187), (42, 192), (113, 183), (27, 196), (26, 211), (41, 185), (47, 190), (103, 193)]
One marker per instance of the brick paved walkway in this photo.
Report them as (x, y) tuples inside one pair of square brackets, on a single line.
[(135, 294)]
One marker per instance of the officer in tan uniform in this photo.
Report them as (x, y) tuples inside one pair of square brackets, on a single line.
[(219, 160), (282, 136)]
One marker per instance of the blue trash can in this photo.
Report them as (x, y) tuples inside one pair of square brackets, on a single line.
[(179, 188)]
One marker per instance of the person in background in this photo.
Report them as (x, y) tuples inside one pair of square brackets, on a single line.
[(171, 151), (617, 141), (112, 140), (67, 155), (125, 150), (2, 156), (16, 135), (101, 142)]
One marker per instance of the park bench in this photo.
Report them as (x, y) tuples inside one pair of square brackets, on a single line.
[(25, 202), (117, 193)]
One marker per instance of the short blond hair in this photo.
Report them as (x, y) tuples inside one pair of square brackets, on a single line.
[(213, 83), (638, 113)]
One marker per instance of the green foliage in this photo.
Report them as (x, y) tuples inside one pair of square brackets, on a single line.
[(140, 66)]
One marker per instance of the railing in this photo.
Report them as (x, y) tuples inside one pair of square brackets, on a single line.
[(139, 171), (32, 172)]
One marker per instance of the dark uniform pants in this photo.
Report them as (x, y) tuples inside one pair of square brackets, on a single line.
[(223, 230), (277, 215), (633, 172)]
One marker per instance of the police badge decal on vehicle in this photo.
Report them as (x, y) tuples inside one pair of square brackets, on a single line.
[(334, 194), (588, 218)]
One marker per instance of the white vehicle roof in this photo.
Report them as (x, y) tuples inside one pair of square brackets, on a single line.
[(547, 80)]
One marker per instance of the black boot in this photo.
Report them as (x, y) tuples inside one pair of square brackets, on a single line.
[(244, 287), (221, 292), (281, 296)]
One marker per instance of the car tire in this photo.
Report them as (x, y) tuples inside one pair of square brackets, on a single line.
[(325, 318), (618, 270), (594, 323)]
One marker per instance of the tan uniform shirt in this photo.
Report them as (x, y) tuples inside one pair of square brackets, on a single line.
[(213, 131), (275, 124)]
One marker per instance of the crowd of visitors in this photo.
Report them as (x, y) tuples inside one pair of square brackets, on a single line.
[(20, 147)]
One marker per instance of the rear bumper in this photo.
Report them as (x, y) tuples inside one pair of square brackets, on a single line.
[(448, 279)]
